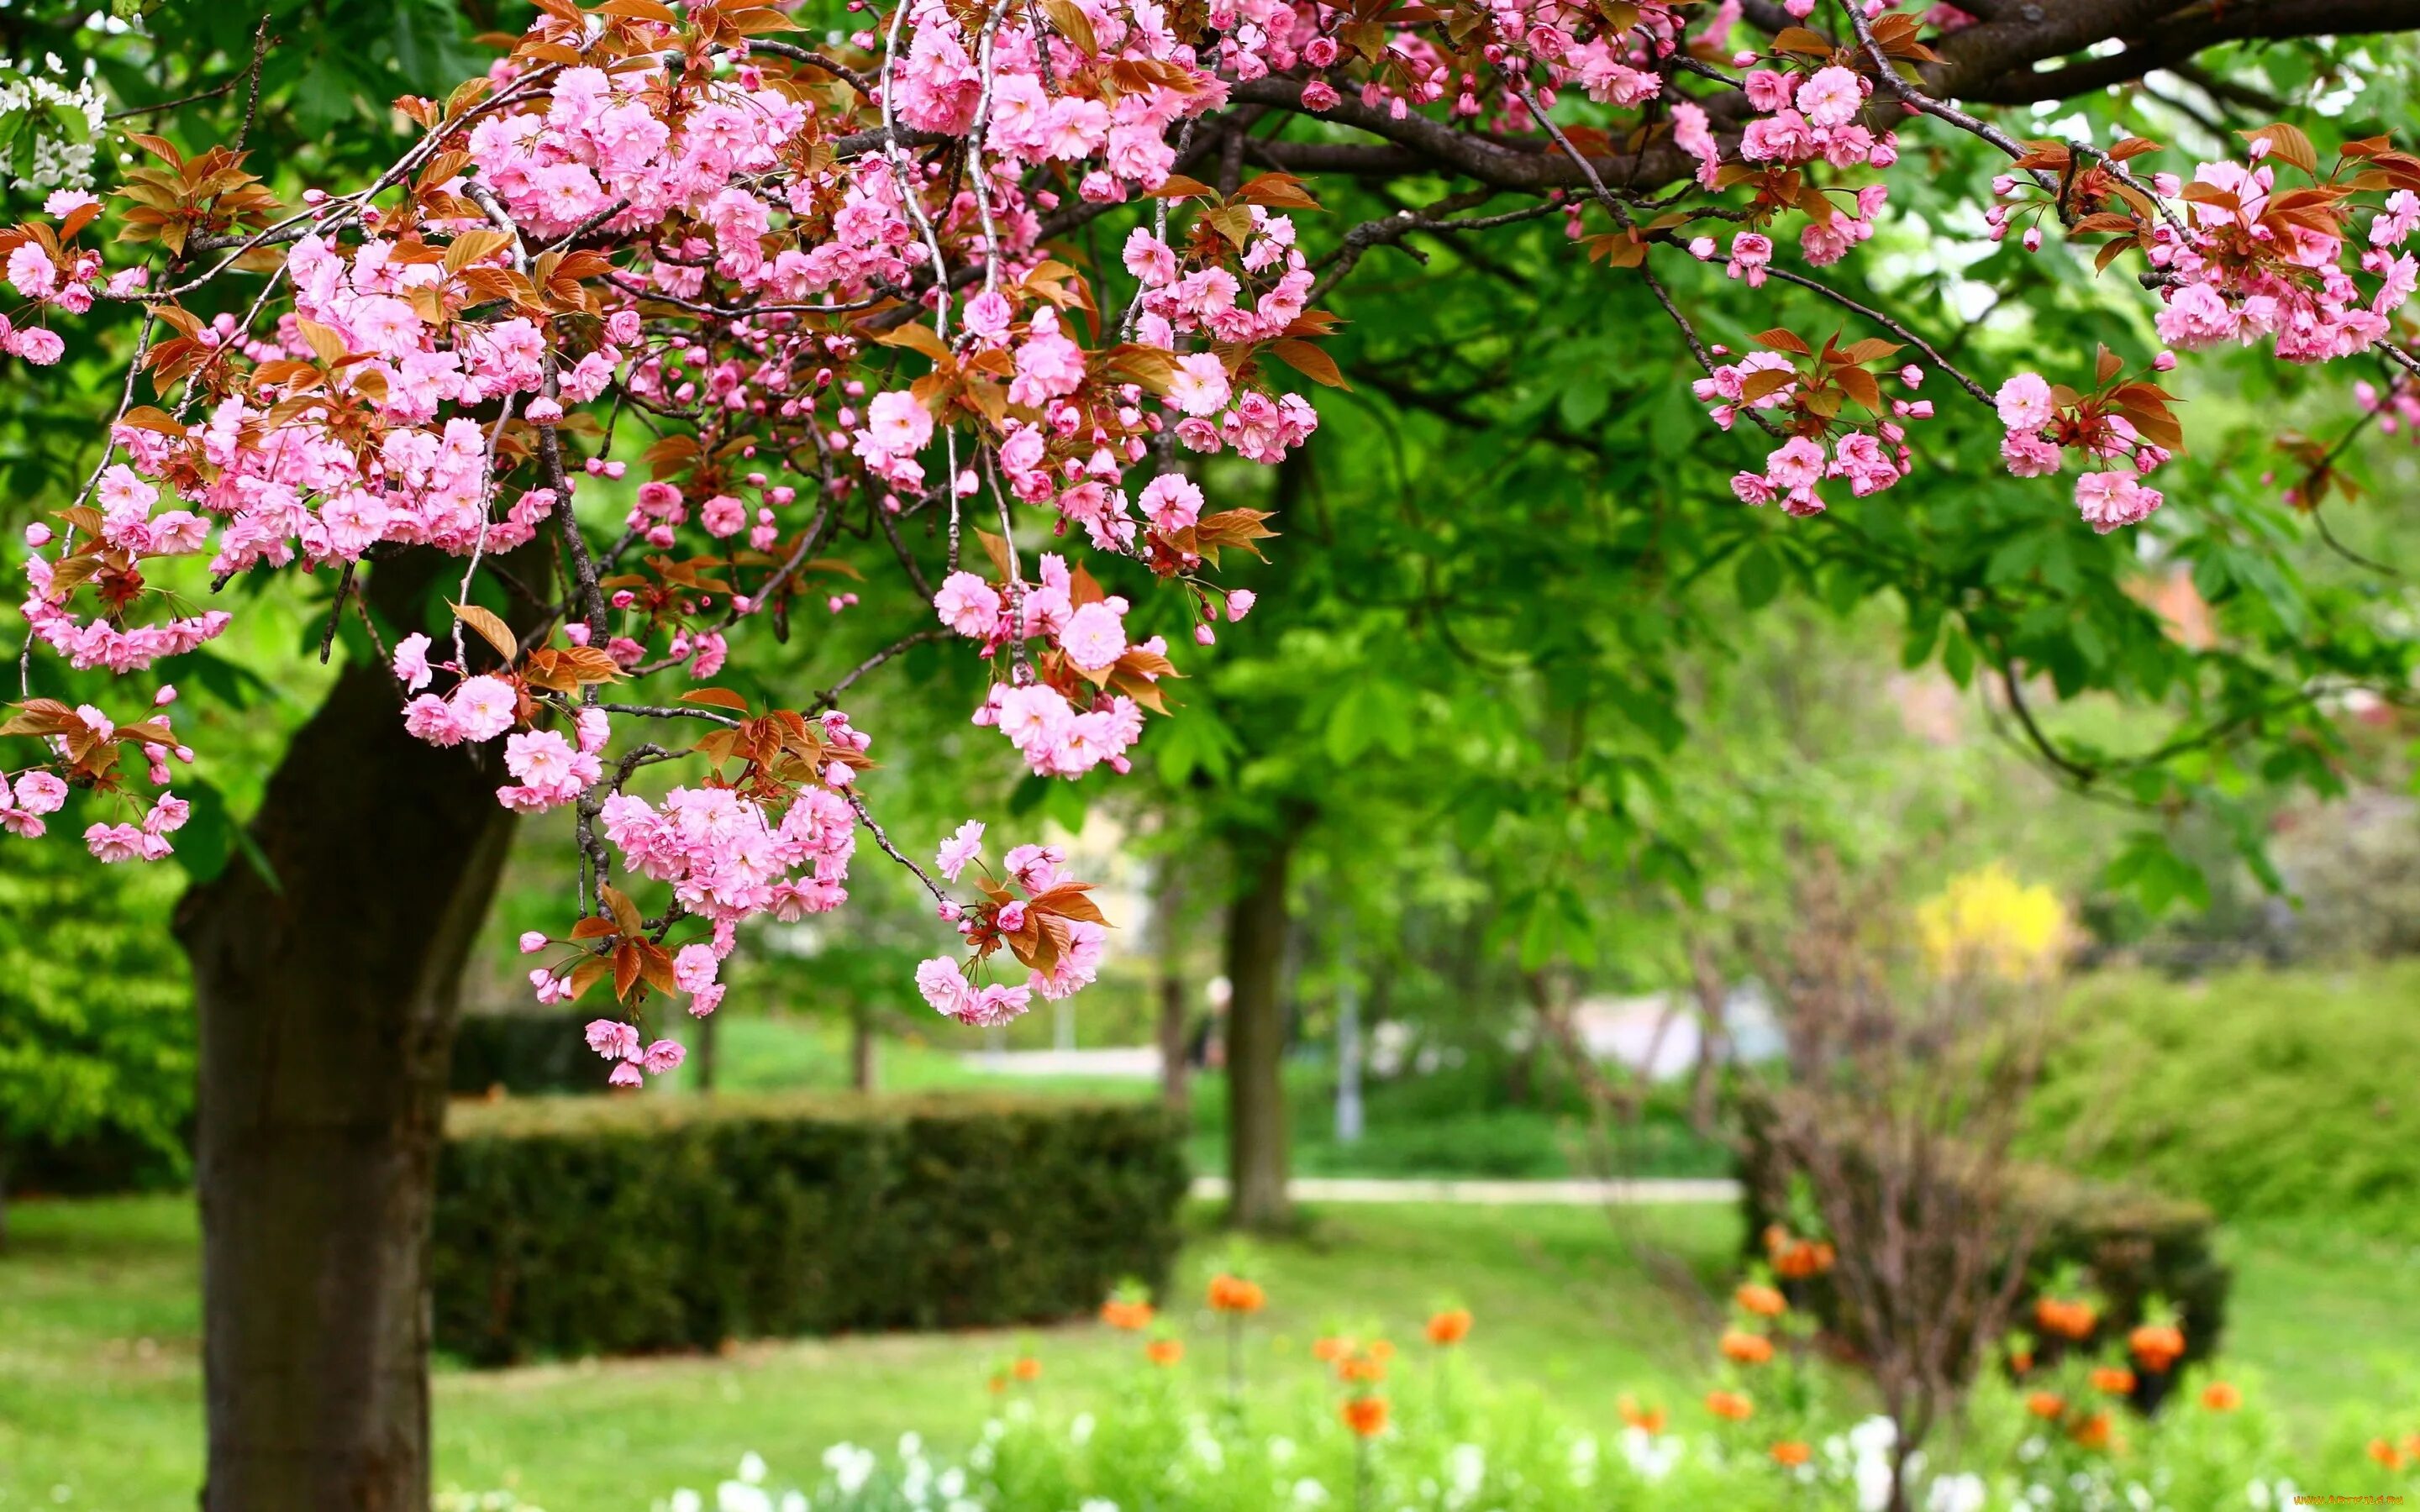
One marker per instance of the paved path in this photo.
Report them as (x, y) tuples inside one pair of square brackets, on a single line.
[(1566, 1193)]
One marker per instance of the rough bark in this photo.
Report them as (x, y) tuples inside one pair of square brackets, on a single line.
[(327, 1000), (1256, 1120)]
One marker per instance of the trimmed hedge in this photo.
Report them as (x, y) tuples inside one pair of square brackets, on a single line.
[(569, 1226), (2134, 1242), (524, 1053)]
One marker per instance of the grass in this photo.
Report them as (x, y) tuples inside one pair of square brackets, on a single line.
[(100, 1370)]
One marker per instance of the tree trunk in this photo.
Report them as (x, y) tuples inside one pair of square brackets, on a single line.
[(1168, 969), (327, 1001), (862, 1072), (1256, 1120), (702, 1063)]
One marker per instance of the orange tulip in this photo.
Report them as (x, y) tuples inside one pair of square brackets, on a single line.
[(1330, 1350), (1234, 1294), (2045, 1403), (1026, 1368), (1790, 1452), (1646, 1420), (1364, 1366), (2156, 1346), (1132, 1316), (1747, 1348), (1730, 1405), (2114, 1379), (1366, 1416), (1164, 1352), (2093, 1432), (2222, 1396), (1761, 1300), (1450, 1327)]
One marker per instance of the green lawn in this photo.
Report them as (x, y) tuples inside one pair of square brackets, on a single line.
[(99, 1363), (100, 1368)]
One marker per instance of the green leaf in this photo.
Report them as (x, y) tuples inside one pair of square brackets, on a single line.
[(1759, 576)]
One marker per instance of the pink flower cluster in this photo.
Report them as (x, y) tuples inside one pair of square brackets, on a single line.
[(618, 1042), (2039, 426), (1038, 870)]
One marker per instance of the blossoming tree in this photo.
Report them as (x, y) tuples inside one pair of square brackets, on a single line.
[(682, 328)]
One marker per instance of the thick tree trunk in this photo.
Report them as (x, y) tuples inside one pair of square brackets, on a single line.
[(1256, 1120), (327, 1003)]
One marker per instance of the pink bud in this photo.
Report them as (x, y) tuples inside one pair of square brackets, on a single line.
[(166, 696), (38, 536), (2164, 363), (533, 941), (2033, 238)]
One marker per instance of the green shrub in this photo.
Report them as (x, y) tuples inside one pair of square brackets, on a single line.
[(2264, 1094), (2133, 1244), (523, 1052), (579, 1226)]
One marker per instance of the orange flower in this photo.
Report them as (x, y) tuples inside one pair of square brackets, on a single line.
[(999, 1381), (2156, 1346), (1730, 1405), (1366, 1416), (1790, 1452), (2222, 1396), (1761, 1300), (1803, 1258), (1132, 1316), (1331, 1348), (1365, 1364), (2114, 1379), (1026, 1367), (2093, 1432), (2021, 1361), (1646, 1420), (1234, 1294), (2384, 1452), (1164, 1352), (2045, 1403), (2068, 1320), (1747, 1348), (1450, 1327)]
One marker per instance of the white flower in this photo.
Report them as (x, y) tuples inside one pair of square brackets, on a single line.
[(739, 1496), (1308, 1492), (752, 1468), (1079, 1432), (686, 1500), (1956, 1493), (1098, 1503)]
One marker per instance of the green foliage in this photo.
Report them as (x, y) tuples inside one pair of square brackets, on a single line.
[(523, 1054), (2264, 1094), (96, 1022), (582, 1226)]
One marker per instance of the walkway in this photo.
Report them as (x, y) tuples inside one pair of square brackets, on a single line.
[(1641, 1192)]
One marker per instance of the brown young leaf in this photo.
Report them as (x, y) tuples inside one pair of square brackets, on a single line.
[(720, 698), (2287, 144), (491, 629), (625, 912), (1309, 361), (1781, 340), (587, 975)]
